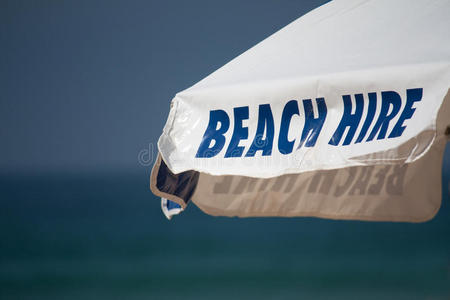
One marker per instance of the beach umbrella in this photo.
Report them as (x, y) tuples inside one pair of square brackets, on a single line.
[(341, 114)]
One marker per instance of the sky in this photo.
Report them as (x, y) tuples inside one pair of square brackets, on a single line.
[(87, 84)]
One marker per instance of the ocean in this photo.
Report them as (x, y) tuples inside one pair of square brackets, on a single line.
[(102, 235)]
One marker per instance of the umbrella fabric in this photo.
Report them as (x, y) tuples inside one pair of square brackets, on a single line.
[(347, 80), (333, 116)]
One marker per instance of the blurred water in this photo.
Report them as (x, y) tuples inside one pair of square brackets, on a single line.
[(103, 236)]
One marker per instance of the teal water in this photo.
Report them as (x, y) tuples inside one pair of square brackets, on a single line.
[(103, 236)]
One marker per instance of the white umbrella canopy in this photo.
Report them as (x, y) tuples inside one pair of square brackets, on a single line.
[(353, 87)]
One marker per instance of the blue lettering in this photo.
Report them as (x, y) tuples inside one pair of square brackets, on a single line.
[(348, 120), (214, 140), (387, 99), (284, 145), (239, 132), (370, 114), (412, 95), (265, 124), (313, 125), (215, 134)]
